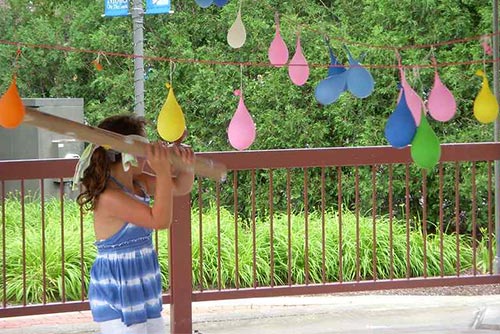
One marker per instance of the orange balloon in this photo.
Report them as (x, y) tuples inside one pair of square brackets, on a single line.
[(11, 107)]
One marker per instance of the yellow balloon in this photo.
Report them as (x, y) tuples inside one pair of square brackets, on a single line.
[(171, 123), (485, 104)]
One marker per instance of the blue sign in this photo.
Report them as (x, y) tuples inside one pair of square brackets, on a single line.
[(116, 7), (157, 6)]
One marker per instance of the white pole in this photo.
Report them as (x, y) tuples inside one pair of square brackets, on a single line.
[(496, 90), (138, 26)]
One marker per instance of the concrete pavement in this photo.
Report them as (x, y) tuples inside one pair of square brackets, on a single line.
[(310, 314)]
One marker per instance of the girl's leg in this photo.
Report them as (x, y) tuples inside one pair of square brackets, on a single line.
[(156, 326), (118, 327)]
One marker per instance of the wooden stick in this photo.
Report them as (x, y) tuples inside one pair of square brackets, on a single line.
[(202, 166)]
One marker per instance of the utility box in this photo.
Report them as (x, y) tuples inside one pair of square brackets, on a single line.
[(28, 142)]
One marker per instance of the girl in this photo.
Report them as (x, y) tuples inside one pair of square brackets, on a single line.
[(125, 281)]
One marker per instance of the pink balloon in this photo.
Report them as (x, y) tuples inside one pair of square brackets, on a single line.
[(298, 69), (441, 104), (414, 101), (278, 51), (241, 130)]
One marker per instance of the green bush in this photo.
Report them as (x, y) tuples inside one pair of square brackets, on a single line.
[(75, 262)]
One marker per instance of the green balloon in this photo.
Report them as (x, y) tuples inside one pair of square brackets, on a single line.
[(425, 147)]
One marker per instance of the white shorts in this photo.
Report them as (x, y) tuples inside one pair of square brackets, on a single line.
[(152, 326)]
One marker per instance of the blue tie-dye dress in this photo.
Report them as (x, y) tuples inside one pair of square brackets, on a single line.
[(125, 280)]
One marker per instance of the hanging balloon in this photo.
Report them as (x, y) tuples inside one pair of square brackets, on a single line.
[(414, 101), (335, 66), (241, 129), (400, 127), (220, 3), (441, 104), (359, 80), (298, 69), (204, 3), (278, 51), (329, 90), (485, 104), (11, 107), (425, 147), (171, 123), (237, 34)]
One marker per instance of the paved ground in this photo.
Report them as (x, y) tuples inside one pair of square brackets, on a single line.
[(312, 315)]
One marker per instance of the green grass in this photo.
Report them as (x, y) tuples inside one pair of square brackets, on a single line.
[(73, 234)]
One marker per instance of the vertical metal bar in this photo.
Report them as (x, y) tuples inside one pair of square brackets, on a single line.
[(441, 221), (219, 275), (323, 231), (4, 255), (457, 216), (82, 257), (254, 233), (391, 232), (374, 221), (407, 214), (306, 226), (289, 221), (490, 220), (236, 257), (200, 229), (44, 259), (23, 219), (474, 223), (424, 218), (271, 225), (180, 264), (356, 212), (138, 26), (496, 90), (63, 269), (339, 205)]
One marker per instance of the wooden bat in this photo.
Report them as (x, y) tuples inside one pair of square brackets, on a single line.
[(202, 166)]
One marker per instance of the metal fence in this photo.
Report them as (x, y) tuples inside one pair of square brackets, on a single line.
[(285, 222)]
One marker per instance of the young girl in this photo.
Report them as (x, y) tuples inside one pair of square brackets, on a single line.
[(125, 281)]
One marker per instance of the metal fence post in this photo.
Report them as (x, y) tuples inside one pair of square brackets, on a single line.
[(180, 267)]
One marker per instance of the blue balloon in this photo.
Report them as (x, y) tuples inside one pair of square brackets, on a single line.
[(335, 68), (359, 81), (220, 3), (400, 127), (204, 3), (329, 89)]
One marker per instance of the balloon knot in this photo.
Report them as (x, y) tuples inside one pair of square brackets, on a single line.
[(168, 85), (237, 92), (480, 73)]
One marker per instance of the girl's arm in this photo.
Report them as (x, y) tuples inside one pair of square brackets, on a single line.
[(118, 205)]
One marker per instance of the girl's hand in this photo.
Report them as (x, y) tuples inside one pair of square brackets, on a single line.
[(157, 155), (184, 152)]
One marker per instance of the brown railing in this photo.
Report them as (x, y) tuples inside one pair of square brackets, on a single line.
[(287, 222)]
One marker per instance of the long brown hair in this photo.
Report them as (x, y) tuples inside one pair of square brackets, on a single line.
[(97, 174)]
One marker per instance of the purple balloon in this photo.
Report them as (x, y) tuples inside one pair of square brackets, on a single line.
[(220, 3)]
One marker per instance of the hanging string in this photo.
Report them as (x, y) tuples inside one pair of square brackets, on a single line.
[(249, 63)]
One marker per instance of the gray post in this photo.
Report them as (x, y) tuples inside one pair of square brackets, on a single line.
[(497, 137), (138, 26)]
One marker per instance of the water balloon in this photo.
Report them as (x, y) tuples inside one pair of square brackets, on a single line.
[(237, 34), (414, 101), (220, 3), (359, 80), (330, 89), (400, 127), (485, 104), (441, 104), (11, 107), (204, 3), (241, 130), (425, 147), (298, 69), (171, 123), (278, 51)]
